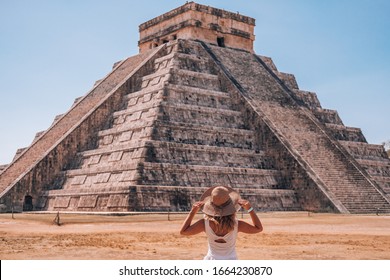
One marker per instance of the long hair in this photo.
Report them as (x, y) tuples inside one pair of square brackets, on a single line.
[(224, 223)]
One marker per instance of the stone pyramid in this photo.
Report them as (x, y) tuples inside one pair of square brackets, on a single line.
[(197, 107)]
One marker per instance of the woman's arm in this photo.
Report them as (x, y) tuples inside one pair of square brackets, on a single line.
[(244, 226), (197, 227)]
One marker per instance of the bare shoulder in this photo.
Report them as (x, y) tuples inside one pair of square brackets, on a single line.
[(199, 225), (195, 228), (200, 222)]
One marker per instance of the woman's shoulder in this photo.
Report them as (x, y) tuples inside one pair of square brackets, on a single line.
[(247, 228)]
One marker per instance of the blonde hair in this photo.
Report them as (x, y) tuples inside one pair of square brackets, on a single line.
[(224, 223)]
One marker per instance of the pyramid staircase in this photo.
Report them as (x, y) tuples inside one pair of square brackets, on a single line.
[(334, 156)]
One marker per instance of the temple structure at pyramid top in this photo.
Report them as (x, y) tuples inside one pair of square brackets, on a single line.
[(195, 21), (197, 107)]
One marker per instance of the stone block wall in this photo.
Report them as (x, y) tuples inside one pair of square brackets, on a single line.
[(193, 20)]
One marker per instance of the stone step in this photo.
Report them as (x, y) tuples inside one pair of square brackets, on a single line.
[(139, 111), (139, 125), (142, 98), (167, 60), (193, 57), (82, 191), (101, 158), (382, 179), (123, 166), (377, 208), (134, 131), (184, 113), (156, 75), (289, 80), (345, 133), (191, 48), (194, 79), (100, 172), (345, 193), (182, 198), (376, 167), (167, 57), (177, 153), (119, 174), (188, 133), (384, 184), (198, 91), (328, 116), (156, 198), (359, 204), (200, 97), (139, 96), (180, 94), (194, 63), (108, 150), (365, 151), (230, 154), (203, 176), (156, 80), (306, 98), (368, 211), (86, 199)]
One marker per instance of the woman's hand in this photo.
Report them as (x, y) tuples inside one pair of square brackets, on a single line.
[(244, 204), (196, 206), (244, 226)]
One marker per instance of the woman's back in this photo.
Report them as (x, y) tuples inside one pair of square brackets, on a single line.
[(221, 246)]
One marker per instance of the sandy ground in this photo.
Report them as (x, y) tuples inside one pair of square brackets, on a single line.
[(293, 235)]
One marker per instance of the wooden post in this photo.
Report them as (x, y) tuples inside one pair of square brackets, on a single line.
[(57, 219), (12, 206)]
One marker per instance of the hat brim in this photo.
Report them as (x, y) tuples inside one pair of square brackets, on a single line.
[(227, 210)]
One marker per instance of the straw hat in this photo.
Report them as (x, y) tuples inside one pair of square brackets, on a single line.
[(220, 201)]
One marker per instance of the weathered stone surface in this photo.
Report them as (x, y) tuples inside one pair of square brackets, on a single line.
[(168, 123), (205, 23), (327, 116)]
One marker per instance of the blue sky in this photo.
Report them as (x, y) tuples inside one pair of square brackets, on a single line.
[(52, 52)]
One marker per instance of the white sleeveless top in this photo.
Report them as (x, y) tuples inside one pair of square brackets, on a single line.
[(221, 251)]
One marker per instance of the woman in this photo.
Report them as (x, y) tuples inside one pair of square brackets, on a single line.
[(220, 205)]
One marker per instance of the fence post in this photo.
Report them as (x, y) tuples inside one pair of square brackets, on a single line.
[(57, 219)]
